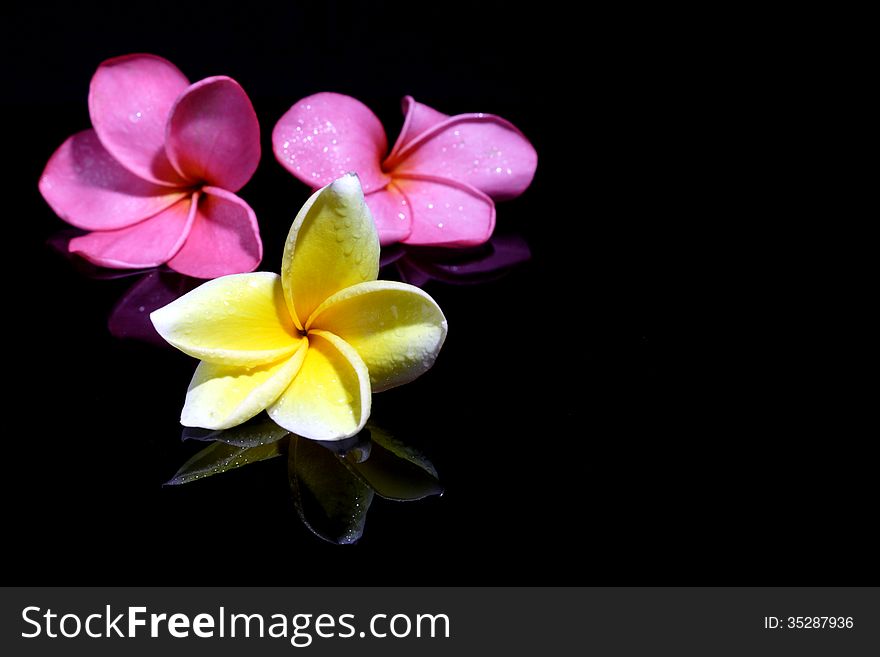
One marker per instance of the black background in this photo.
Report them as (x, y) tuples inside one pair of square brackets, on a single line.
[(597, 416)]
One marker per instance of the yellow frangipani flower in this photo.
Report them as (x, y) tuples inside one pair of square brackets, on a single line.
[(309, 346)]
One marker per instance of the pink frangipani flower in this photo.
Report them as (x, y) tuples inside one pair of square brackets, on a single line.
[(436, 185), (154, 179)]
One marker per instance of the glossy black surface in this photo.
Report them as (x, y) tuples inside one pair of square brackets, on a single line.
[(590, 417)]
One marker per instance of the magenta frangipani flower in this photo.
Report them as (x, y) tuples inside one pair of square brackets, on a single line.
[(155, 177), (436, 185)]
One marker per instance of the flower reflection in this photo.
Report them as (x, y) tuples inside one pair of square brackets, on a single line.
[(333, 483), (482, 264), (153, 288), (130, 317)]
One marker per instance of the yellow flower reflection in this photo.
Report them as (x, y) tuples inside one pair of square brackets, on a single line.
[(309, 346)]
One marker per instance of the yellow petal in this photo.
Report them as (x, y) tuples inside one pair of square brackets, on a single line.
[(397, 329), (234, 320), (330, 397), (222, 396), (331, 245)]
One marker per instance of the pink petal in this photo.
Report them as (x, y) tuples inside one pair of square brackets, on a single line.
[(481, 150), (419, 118), (60, 243), (446, 212), (130, 99), (213, 134), (225, 238), (327, 135), (146, 244), (391, 214), (88, 188)]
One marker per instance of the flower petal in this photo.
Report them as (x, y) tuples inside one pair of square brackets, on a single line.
[(236, 320), (145, 244), (130, 98), (418, 118), (225, 238), (330, 397), (327, 135), (397, 329), (213, 134), (446, 213), (332, 244), (391, 214), (481, 150), (222, 396), (87, 188)]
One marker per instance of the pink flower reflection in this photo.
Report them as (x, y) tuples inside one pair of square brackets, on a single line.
[(482, 264), (130, 317)]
